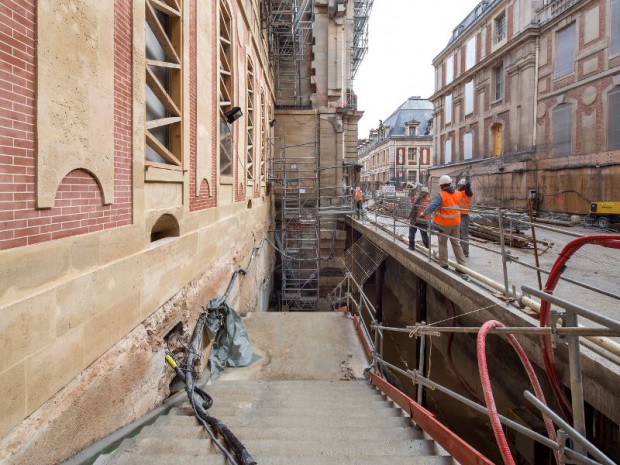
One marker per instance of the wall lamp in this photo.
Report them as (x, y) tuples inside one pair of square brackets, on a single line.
[(233, 115)]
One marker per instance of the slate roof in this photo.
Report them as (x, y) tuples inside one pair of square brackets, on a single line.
[(414, 108), (480, 10)]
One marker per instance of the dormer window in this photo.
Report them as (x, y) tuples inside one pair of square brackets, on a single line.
[(412, 128)]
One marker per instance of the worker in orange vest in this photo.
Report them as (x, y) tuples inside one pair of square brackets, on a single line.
[(419, 203), (359, 200), (447, 219), (464, 187)]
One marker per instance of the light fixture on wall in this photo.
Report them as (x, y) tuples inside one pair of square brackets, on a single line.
[(233, 115)]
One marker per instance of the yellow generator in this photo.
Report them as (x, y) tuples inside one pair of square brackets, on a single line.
[(605, 213)]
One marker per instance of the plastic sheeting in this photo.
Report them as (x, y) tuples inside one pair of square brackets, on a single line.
[(231, 343)]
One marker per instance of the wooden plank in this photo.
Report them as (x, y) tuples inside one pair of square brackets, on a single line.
[(165, 8), (163, 64), (461, 451), (161, 93), (161, 150), (160, 33), (157, 123)]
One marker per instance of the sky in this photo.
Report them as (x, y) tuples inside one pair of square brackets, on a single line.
[(403, 38)]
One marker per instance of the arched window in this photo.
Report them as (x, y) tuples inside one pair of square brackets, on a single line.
[(613, 123), (226, 88), (164, 37)]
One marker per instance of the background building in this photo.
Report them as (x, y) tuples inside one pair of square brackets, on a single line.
[(400, 150), (141, 145), (527, 103)]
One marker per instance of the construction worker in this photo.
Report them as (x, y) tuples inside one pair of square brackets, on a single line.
[(464, 187), (447, 219), (419, 203), (359, 199)]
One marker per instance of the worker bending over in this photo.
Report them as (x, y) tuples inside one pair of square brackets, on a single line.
[(419, 203), (464, 187), (447, 219)]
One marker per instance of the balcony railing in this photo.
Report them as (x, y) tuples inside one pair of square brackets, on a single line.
[(553, 8)]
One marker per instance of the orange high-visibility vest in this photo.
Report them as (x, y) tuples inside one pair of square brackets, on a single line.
[(448, 214), (464, 203), (358, 196)]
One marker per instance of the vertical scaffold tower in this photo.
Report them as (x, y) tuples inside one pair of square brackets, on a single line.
[(361, 15), (290, 26), (297, 226)]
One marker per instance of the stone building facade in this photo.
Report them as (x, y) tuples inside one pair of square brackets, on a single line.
[(526, 103), (401, 149), (131, 188)]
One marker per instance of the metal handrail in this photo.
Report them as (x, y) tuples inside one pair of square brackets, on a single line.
[(611, 327)]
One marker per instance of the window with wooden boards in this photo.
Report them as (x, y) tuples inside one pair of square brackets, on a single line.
[(226, 88), (164, 38)]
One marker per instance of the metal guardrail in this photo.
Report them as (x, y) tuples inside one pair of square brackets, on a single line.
[(351, 294)]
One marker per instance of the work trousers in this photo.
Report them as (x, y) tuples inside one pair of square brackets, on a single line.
[(465, 234), (452, 233), (359, 206), (412, 230)]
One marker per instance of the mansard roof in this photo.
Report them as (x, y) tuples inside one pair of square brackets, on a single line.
[(414, 108)]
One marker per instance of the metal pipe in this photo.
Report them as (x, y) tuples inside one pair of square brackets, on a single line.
[(421, 365), (529, 208), (502, 242), (535, 330), (574, 308), (568, 429), (576, 380)]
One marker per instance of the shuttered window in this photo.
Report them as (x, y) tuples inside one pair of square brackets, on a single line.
[(562, 130), (448, 151), (448, 109), (469, 97), (614, 119), (565, 51), (468, 142), (470, 53), (449, 69)]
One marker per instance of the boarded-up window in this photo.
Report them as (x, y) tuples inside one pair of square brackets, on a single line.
[(469, 97), (614, 119), (163, 88), (615, 27), (448, 109), (226, 89), (470, 53), (449, 69), (447, 151), (562, 130), (468, 142), (564, 51)]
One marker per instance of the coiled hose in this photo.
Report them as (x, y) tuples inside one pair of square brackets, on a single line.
[(606, 240), (500, 437)]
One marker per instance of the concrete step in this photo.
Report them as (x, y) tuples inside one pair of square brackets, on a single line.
[(221, 410), (289, 385), (351, 403), (323, 448), (305, 422), (173, 459), (288, 433)]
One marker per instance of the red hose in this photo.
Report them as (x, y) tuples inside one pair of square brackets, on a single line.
[(606, 240), (500, 437)]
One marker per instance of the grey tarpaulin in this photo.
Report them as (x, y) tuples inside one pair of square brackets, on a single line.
[(231, 343)]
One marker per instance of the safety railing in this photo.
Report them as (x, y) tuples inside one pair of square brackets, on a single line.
[(569, 443), (395, 222)]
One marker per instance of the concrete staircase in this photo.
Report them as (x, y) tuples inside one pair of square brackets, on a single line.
[(286, 423)]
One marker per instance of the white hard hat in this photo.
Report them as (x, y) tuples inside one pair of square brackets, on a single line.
[(462, 182), (445, 179), (424, 189)]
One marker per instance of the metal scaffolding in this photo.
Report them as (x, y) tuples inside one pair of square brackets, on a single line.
[(295, 174), (290, 32), (361, 15)]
